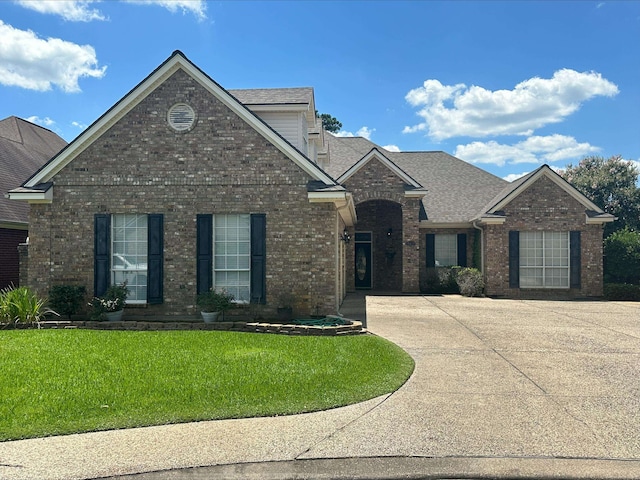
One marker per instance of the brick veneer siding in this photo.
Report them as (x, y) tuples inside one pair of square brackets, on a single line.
[(10, 239), (543, 206), (375, 189), (222, 165)]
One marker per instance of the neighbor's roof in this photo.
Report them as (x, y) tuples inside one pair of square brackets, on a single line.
[(456, 190), (24, 148)]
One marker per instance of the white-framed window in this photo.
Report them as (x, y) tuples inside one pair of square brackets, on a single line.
[(129, 242), (544, 259), (446, 249), (232, 254)]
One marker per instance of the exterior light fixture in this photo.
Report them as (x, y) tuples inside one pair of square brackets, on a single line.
[(345, 237)]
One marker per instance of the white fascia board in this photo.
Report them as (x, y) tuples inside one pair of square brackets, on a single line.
[(603, 219), (139, 93), (11, 225), (554, 177), (417, 193), (343, 202), (375, 153), (444, 225), (33, 196)]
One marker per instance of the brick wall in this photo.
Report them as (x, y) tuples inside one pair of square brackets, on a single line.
[(543, 206), (381, 204), (140, 165)]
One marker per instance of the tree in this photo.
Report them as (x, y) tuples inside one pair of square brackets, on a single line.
[(611, 184), (622, 257), (330, 123)]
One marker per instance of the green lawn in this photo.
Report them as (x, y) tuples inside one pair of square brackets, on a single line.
[(56, 382)]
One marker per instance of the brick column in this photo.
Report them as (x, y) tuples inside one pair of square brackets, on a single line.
[(410, 246)]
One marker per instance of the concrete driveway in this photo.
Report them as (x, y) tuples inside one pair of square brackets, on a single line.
[(501, 389)]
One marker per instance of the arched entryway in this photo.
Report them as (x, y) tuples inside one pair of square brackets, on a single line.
[(377, 249)]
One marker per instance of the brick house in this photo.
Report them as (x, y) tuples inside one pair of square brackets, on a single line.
[(24, 147), (183, 186)]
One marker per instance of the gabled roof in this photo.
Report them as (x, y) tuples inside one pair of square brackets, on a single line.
[(177, 61), (297, 99), (24, 147), (493, 209), (455, 189), (376, 154)]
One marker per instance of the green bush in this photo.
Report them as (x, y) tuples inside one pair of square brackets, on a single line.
[(622, 291), (67, 299), (470, 282), (22, 306), (441, 280), (622, 257)]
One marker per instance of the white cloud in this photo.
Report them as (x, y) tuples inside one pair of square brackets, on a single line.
[(392, 148), (365, 132), (46, 122), (197, 7), (457, 110), (70, 10), (514, 176), (79, 125), (36, 64), (535, 149)]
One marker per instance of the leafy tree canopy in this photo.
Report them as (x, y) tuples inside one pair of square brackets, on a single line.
[(610, 183), (329, 122)]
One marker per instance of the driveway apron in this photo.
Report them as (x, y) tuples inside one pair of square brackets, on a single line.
[(505, 378)]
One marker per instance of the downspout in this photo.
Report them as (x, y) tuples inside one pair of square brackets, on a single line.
[(338, 290), (481, 246)]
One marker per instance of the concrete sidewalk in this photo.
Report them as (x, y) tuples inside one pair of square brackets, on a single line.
[(501, 389)]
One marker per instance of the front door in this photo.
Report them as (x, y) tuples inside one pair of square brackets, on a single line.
[(363, 266)]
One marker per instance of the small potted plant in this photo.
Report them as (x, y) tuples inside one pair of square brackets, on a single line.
[(214, 302), (110, 306)]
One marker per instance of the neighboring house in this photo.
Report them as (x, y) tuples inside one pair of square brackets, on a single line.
[(24, 147), (184, 186)]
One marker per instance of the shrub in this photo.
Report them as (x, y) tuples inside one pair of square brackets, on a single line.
[(470, 282), (67, 299), (21, 305), (622, 257), (622, 291), (441, 280)]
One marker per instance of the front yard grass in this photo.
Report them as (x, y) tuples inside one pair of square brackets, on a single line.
[(55, 382)]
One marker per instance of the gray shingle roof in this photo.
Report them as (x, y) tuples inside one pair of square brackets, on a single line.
[(456, 190), (24, 148), (274, 96)]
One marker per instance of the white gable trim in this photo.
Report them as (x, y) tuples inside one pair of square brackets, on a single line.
[(128, 102), (376, 154), (554, 177)]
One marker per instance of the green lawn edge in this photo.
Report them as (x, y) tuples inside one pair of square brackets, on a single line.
[(58, 382)]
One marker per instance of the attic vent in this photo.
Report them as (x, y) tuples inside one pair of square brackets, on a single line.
[(181, 117)]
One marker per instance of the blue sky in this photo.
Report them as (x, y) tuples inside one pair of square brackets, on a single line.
[(507, 86)]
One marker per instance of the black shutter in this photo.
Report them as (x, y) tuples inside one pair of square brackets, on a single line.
[(155, 258), (431, 250), (514, 259), (462, 249), (574, 260), (204, 253), (101, 253), (258, 257)]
